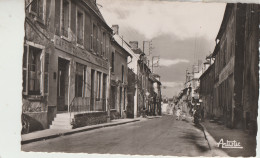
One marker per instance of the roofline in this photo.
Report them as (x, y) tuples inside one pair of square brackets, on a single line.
[(207, 71), (216, 49), (114, 41), (102, 20), (227, 13)]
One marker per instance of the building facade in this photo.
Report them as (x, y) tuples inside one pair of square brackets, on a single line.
[(65, 62), (251, 71), (235, 69), (119, 75), (206, 90)]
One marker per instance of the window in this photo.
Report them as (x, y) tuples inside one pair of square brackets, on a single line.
[(95, 34), (98, 86), (37, 8), (80, 80), (113, 62), (65, 17), (33, 71), (107, 45), (80, 26), (103, 43)]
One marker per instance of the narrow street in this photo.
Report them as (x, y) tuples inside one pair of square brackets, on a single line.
[(158, 136)]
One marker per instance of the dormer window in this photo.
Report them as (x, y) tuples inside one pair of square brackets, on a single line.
[(65, 18), (37, 9)]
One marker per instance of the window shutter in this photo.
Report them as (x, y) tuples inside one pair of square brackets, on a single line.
[(25, 69), (46, 73)]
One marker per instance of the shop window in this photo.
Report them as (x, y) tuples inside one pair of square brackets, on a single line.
[(80, 80), (33, 71), (80, 26), (37, 8), (98, 94), (65, 17)]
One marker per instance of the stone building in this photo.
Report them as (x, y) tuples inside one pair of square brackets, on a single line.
[(206, 90), (229, 62), (139, 91), (235, 68), (65, 64), (119, 75)]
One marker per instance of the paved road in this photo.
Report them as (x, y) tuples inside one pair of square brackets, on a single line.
[(158, 136)]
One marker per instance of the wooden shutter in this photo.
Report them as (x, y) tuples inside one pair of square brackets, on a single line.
[(46, 73), (25, 69)]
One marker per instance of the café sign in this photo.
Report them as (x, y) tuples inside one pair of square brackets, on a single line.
[(78, 52)]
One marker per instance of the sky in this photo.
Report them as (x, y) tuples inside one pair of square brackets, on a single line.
[(181, 33)]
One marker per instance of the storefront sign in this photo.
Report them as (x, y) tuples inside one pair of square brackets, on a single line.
[(228, 69), (78, 52)]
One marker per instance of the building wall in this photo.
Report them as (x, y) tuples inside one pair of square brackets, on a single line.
[(251, 76), (47, 35), (228, 65), (120, 62), (206, 90)]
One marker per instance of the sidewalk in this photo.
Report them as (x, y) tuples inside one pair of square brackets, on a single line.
[(217, 132), (53, 133)]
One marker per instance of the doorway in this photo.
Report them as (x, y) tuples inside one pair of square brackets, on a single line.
[(63, 84), (92, 102)]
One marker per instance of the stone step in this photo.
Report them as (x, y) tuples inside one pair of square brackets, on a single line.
[(60, 127), (61, 119), (63, 115), (61, 123)]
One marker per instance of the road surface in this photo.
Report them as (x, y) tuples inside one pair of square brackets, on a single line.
[(158, 136)]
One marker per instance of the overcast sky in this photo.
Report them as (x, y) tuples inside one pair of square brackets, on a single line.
[(181, 32)]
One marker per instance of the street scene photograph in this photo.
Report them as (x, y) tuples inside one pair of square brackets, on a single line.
[(140, 77)]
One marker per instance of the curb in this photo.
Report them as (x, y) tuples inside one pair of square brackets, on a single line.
[(206, 137), (74, 132)]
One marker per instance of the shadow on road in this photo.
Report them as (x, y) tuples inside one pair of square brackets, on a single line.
[(196, 140), (184, 120)]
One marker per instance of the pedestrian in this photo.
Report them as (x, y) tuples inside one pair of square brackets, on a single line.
[(178, 113)]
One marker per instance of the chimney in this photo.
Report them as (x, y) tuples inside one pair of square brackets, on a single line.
[(134, 44), (115, 29)]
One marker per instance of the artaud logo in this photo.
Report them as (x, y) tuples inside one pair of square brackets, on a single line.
[(229, 144)]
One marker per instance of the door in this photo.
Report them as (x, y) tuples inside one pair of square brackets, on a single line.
[(92, 90), (104, 91), (63, 84), (120, 102)]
